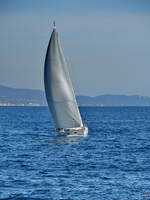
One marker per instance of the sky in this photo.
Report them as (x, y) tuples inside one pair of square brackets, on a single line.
[(106, 43)]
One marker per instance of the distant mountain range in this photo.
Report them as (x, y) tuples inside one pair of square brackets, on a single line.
[(27, 97), (13, 96)]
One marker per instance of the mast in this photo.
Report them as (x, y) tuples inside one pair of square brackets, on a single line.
[(54, 23)]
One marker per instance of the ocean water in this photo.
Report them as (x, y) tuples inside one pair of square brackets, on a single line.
[(112, 163)]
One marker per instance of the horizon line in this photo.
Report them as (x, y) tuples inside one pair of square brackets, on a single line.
[(106, 94)]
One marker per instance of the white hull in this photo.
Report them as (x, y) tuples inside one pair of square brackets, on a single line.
[(79, 131)]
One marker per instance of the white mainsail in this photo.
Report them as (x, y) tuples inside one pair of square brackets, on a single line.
[(58, 87)]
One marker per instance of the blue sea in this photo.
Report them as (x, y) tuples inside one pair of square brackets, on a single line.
[(111, 163)]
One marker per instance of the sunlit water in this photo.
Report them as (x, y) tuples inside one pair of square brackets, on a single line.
[(112, 163)]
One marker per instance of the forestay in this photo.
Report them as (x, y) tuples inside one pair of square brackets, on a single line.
[(58, 87)]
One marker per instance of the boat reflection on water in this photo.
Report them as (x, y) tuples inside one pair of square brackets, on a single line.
[(68, 139)]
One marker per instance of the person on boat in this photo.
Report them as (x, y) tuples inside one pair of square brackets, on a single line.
[(58, 129)]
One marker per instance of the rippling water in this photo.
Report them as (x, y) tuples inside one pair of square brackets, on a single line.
[(112, 163)]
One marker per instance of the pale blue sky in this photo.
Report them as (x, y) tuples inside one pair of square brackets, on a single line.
[(106, 43)]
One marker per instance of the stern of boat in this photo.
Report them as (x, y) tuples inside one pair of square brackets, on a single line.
[(78, 131)]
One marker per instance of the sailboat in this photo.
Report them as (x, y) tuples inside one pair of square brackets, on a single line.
[(59, 91)]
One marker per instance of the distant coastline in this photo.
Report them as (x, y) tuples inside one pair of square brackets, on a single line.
[(29, 97)]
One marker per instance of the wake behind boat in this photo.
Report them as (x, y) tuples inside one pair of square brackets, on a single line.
[(59, 91)]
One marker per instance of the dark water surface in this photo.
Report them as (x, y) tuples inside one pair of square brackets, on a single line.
[(112, 163)]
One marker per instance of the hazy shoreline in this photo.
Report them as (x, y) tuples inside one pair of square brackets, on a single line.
[(28, 97)]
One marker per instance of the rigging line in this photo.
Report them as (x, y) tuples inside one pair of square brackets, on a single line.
[(75, 91), (74, 72)]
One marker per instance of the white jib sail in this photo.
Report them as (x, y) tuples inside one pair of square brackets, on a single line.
[(58, 87)]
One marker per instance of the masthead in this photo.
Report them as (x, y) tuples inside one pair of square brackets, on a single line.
[(54, 23)]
